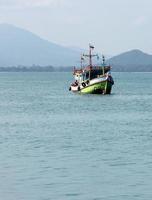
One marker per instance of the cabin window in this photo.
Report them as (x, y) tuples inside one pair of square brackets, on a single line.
[(87, 75), (96, 73)]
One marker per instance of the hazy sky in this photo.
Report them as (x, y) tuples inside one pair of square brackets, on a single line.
[(113, 26)]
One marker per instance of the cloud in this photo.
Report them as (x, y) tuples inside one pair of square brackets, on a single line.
[(30, 3), (141, 20)]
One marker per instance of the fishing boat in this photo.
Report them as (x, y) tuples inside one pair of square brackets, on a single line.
[(92, 79)]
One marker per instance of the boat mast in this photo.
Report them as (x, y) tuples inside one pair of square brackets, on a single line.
[(82, 60), (103, 60), (103, 64), (90, 55)]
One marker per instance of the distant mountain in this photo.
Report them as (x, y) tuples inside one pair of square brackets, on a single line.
[(21, 47), (134, 60)]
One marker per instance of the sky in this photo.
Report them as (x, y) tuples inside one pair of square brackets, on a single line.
[(113, 26)]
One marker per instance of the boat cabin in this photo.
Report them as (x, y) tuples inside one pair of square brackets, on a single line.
[(90, 73)]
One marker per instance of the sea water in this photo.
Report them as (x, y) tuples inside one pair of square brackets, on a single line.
[(56, 145)]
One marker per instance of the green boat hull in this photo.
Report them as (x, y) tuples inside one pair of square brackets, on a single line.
[(103, 87)]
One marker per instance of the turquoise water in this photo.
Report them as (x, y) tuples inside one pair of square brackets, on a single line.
[(56, 145)]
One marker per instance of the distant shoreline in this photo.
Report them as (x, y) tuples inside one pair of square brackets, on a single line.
[(36, 69), (70, 69)]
